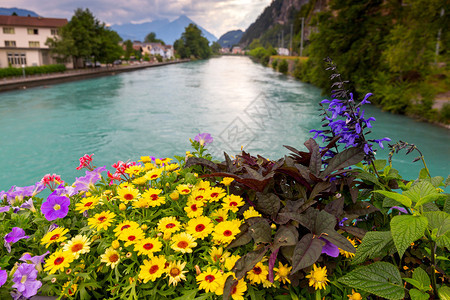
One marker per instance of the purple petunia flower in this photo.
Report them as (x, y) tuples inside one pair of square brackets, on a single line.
[(86, 182), (203, 138), (34, 260), (4, 209), (14, 236), (330, 249), (341, 222), (25, 280), (400, 209), (28, 205), (3, 277), (56, 207)]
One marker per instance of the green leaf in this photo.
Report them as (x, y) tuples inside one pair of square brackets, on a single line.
[(373, 245), (406, 229), (447, 205), (438, 220), (380, 164), (418, 295), (306, 252), (343, 159), (404, 200), (261, 231), (380, 278), (369, 177), (444, 241), (323, 221), (444, 292), (420, 190), (429, 198), (286, 235), (421, 276), (248, 261), (414, 282)]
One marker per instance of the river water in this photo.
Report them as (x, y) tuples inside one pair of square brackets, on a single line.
[(155, 111)]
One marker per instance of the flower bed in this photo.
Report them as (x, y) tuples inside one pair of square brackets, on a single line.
[(325, 223)]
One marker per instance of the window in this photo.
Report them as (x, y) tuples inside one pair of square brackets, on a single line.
[(33, 44), (17, 59), (8, 30), (54, 31), (10, 43), (33, 31)]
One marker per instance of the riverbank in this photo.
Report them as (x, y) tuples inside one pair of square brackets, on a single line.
[(8, 84)]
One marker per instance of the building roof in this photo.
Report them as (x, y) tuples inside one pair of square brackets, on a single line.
[(31, 21)]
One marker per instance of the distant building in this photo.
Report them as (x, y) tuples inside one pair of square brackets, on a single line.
[(153, 49), (22, 40), (237, 50), (225, 51), (283, 51)]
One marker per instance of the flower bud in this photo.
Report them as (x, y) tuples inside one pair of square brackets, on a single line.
[(115, 244), (174, 195), (68, 271), (129, 254), (197, 270), (88, 194), (122, 207), (167, 235), (144, 226), (53, 280)]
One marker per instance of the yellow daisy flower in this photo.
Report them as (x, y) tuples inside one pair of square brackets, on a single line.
[(198, 196), (152, 269), (175, 272), (184, 189), (226, 181), (258, 274), (216, 193), (58, 261), (346, 253), (54, 236), (140, 180), (161, 161), (209, 280), (128, 194), (153, 174), (111, 257), (131, 236), (225, 232), (134, 170), (102, 220), (202, 185), (200, 227), (217, 254), (125, 185), (232, 202), (78, 245), (237, 291), (251, 212), (149, 166), (219, 215), (171, 167), (153, 198), (86, 204), (183, 242), (194, 209), (231, 261), (169, 224), (146, 159), (282, 273), (148, 246), (69, 289), (318, 277), (125, 225)]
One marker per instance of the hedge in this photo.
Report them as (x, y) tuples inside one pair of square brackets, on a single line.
[(9, 72)]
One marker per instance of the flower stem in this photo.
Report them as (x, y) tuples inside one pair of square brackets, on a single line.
[(318, 296), (433, 267)]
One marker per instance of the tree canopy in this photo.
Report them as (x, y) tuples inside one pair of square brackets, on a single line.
[(85, 38), (192, 44), (151, 38)]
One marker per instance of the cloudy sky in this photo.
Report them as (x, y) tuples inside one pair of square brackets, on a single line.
[(216, 16)]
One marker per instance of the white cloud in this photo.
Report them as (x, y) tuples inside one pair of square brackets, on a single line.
[(216, 16)]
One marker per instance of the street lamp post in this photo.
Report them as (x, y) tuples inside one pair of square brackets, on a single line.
[(23, 70)]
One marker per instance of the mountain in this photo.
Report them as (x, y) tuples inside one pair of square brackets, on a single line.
[(230, 38), (274, 22), (164, 29), (20, 12)]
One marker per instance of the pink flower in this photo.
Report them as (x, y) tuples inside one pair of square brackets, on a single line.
[(85, 162)]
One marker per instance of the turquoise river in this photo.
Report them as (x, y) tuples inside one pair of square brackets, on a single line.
[(155, 111)]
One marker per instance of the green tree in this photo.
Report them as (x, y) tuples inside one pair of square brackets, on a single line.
[(129, 51), (151, 38), (110, 50), (192, 44), (215, 48)]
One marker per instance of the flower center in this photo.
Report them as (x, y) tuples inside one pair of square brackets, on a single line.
[(148, 246), (131, 238), (77, 247), (174, 272), (194, 207), (102, 218), (257, 270), (233, 203), (214, 195), (170, 225), (182, 244), (154, 197), (153, 269), (59, 261), (234, 290), (185, 191), (227, 233), (54, 237), (210, 278), (199, 198), (88, 204), (219, 219), (24, 279), (125, 227), (154, 176), (57, 207), (200, 227), (128, 197), (113, 258)]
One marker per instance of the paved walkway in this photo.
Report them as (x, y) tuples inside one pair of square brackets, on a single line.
[(13, 83)]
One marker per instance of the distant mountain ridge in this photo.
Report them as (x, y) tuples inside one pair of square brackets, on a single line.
[(230, 38), (164, 29), (20, 12)]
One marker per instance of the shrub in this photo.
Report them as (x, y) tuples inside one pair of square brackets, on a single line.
[(274, 64), (283, 66), (9, 72)]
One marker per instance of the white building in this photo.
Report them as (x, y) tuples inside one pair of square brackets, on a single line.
[(283, 51), (22, 40)]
